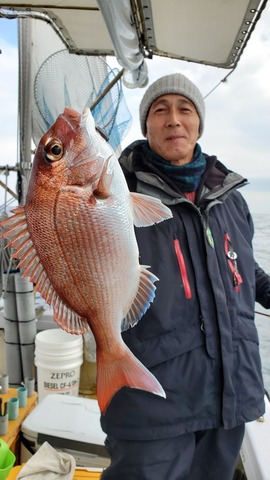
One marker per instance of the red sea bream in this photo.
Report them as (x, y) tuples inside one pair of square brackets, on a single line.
[(75, 239)]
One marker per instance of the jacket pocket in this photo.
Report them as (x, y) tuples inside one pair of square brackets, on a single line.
[(183, 269), (232, 262)]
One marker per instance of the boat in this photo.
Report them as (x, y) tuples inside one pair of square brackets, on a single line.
[(88, 32)]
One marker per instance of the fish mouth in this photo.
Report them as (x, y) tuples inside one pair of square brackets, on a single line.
[(76, 119), (79, 120), (93, 152), (84, 119)]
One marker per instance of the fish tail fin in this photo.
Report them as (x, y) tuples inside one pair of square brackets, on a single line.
[(125, 370)]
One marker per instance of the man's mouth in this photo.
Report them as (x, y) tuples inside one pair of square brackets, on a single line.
[(175, 137)]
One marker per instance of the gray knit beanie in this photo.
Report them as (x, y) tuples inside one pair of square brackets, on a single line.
[(175, 83)]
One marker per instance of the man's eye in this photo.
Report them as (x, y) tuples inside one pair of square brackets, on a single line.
[(186, 109)]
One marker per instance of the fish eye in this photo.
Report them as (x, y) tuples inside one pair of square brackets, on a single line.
[(53, 151)]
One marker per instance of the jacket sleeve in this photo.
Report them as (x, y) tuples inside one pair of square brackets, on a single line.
[(262, 286), (262, 279)]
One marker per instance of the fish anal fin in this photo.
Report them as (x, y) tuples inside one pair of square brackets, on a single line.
[(69, 320), (148, 210), (64, 316), (144, 297), (123, 371)]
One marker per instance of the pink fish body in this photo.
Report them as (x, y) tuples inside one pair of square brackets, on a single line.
[(75, 240)]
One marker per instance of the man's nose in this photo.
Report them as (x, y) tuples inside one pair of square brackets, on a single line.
[(173, 118)]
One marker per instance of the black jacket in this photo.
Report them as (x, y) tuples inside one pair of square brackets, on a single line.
[(198, 337)]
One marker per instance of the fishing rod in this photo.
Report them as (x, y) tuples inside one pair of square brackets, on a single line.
[(261, 313), (107, 89)]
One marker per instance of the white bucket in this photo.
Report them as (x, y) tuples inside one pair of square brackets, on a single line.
[(58, 358)]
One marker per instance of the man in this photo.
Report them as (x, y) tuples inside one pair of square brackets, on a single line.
[(198, 337)]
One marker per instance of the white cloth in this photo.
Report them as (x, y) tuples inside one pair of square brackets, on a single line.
[(118, 18), (48, 464)]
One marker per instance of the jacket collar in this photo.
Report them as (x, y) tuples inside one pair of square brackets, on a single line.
[(216, 181)]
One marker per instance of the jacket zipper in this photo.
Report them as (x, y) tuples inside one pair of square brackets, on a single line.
[(183, 269), (232, 262)]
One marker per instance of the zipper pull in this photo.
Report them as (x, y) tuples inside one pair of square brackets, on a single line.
[(232, 261), (209, 237), (237, 280), (202, 324)]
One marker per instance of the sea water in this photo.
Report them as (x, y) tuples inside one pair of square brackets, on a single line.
[(261, 245)]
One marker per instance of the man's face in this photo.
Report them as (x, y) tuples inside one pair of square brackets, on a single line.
[(172, 127)]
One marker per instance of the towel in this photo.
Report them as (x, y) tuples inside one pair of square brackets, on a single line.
[(48, 464)]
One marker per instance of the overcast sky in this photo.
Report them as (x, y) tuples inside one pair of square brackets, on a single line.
[(237, 127)]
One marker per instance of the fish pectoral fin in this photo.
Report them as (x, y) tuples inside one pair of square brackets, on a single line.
[(124, 371), (102, 188), (148, 210), (144, 297)]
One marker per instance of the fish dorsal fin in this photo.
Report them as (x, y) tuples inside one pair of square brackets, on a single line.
[(145, 296), (24, 250), (148, 210)]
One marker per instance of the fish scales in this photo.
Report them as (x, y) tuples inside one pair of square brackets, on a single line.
[(75, 239), (98, 247)]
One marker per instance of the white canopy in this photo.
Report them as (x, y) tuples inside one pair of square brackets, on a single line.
[(213, 32)]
